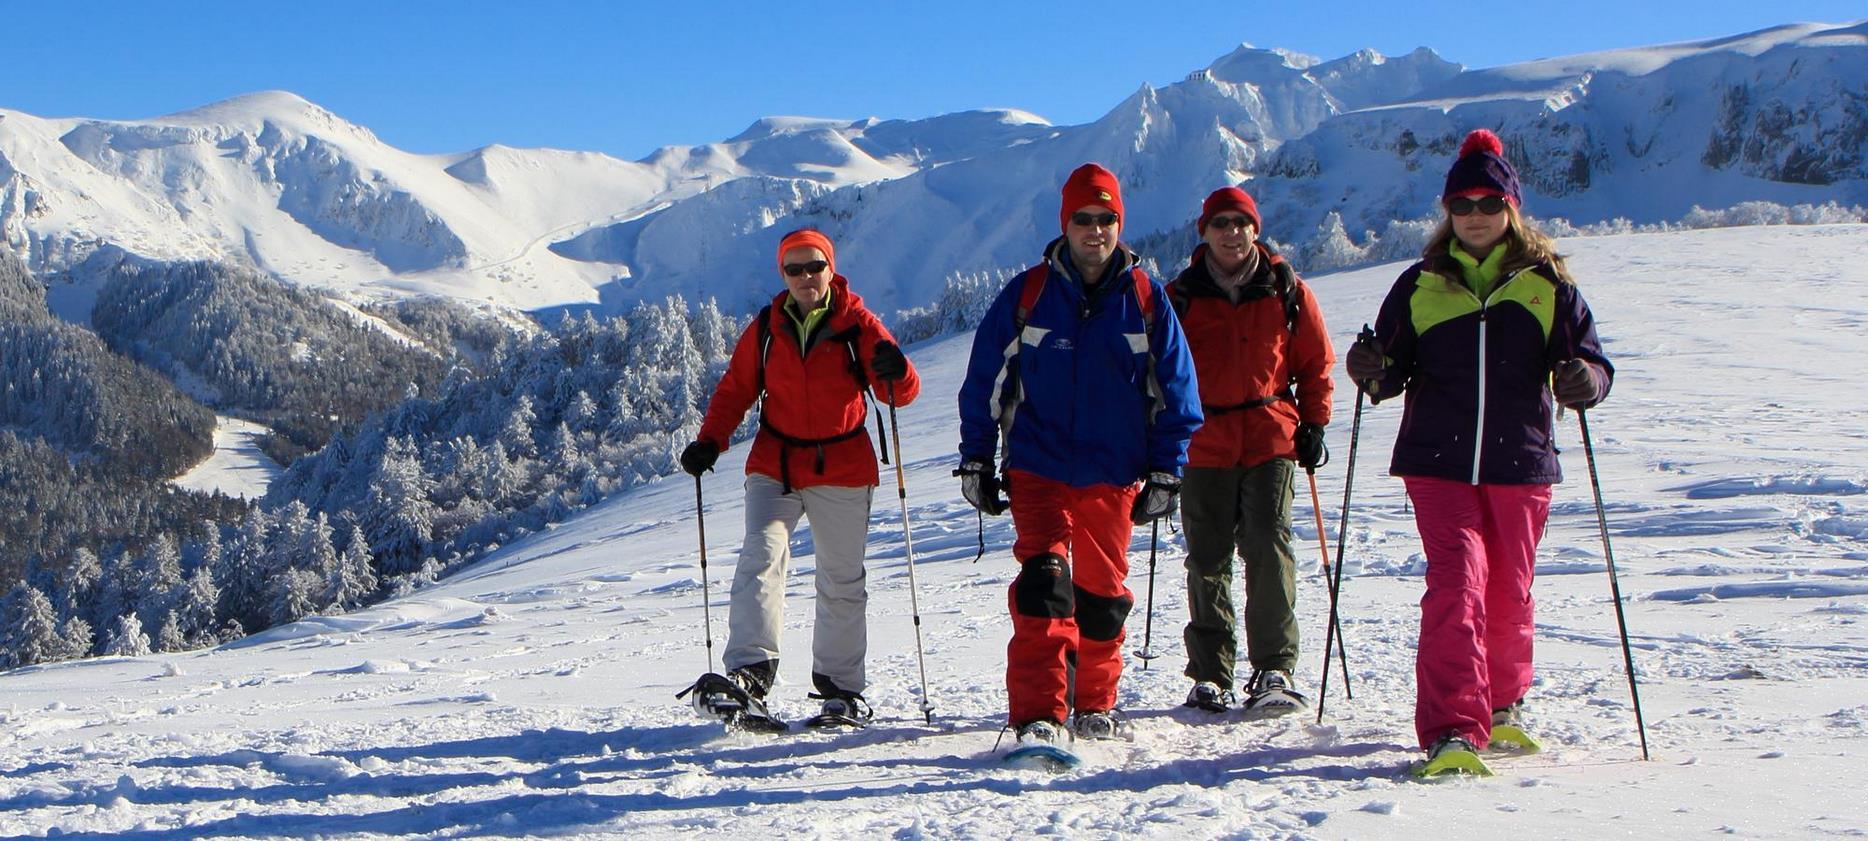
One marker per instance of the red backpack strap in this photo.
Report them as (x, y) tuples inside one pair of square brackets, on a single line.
[(1145, 296), (1033, 280)]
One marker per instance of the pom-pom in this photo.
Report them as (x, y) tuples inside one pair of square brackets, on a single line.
[(1482, 140)]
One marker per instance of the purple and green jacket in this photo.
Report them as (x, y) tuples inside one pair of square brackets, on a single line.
[(1477, 372)]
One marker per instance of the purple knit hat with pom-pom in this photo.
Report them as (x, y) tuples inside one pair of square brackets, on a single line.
[(1482, 171)]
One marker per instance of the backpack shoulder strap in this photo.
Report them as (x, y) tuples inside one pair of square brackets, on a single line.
[(1145, 296), (1033, 287), (764, 321), (1286, 280)]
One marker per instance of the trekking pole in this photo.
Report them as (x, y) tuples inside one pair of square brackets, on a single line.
[(1615, 587), (908, 539), (1342, 536), (1148, 623), (700, 519), (1323, 546)]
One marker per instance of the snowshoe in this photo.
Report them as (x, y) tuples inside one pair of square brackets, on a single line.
[(1042, 746), (1508, 733), (841, 711), (1206, 695), (718, 696), (1273, 693), (1452, 754), (1100, 725)]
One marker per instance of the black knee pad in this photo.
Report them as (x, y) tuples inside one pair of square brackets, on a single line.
[(1101, 617), (1043, 589)]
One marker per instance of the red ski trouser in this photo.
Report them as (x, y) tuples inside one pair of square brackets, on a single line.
[(1475, 620), (1070, 599)]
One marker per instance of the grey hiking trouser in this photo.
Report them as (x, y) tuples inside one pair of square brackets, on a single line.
[(1247, 510), (839, 529)]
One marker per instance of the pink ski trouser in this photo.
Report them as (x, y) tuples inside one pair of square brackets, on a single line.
[(1475, 619)]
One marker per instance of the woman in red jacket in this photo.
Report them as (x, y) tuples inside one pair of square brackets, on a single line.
[(1263, 359), (808, 360)]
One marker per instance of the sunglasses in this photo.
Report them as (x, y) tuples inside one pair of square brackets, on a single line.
[(1490, 205), (799, 269), (1083, 219), (1227, 223)]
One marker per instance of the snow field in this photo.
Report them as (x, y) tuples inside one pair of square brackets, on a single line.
[(533, 695)]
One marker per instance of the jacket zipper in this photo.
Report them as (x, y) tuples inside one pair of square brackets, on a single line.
[(1478, 443), (1485, 304)]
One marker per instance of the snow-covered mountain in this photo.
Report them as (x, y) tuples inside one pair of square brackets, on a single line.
[(533, 694), (273, 180)]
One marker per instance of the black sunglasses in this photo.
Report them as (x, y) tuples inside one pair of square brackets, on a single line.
[(1490, 205), (1084, 219), (1227, 223), (813, 267)]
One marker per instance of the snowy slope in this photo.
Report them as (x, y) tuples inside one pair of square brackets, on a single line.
[(276, 181), (533, 693)]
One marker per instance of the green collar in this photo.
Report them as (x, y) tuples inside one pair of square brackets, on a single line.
[(810, 321), (1479, 275)]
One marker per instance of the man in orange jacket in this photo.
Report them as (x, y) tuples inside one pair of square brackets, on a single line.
[(1263, 358), (808, 359)]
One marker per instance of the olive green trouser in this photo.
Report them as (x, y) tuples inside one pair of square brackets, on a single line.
[(1247, 510)]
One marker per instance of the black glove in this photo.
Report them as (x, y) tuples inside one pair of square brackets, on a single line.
[(888, 362), (1366, 360), (1156, 498), (1575, 384), (981, 488), (699, 457), (1311, 453)]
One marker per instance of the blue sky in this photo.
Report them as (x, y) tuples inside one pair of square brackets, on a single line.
[(624, 78)]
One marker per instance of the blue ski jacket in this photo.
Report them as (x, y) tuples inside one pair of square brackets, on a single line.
[(1096, 387)]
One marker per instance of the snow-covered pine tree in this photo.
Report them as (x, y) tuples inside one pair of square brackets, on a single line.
[(398, 515), (353, 579), (170, 637), (160, 571), (127, 638), (29, 631), (195, 608)]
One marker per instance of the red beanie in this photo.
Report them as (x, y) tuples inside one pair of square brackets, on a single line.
[(1230, 198), (1089, 184), (807, 238)]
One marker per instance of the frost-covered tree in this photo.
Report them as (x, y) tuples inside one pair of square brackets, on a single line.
[(170, 637), (160, 573), (245, 568), (294, 595), (29, 631), (352, 578), (399, 517), (127, 638), (194, 610)]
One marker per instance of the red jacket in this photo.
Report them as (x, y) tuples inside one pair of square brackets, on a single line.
[(1252, 353), (810, 396)]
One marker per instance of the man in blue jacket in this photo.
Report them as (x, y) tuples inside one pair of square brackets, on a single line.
[(1083, 367)]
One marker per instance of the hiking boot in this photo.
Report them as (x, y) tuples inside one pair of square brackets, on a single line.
[(1452, 754), (751, 682), (1272, 692), (848, 710), (1207, 695), (1043, 731), (1100, 724), (1508, 733)]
